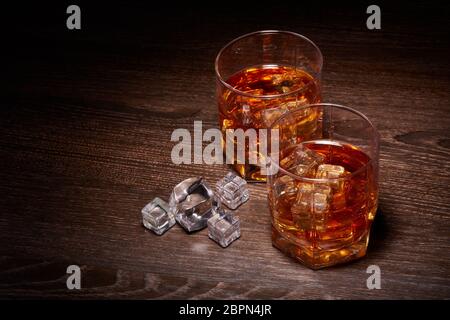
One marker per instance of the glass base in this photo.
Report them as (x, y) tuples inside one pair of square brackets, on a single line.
[(320, 258)]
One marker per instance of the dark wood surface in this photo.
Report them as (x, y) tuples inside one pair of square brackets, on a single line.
[(86, 119)]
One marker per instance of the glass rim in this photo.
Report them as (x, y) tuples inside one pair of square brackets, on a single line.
[(271, 96), (376, 139)]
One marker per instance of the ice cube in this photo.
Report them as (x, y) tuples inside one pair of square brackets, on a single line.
[(184, 188), (304, 170), (283, 80), (192, 203), (223, 228), (312, 197), (284, 185), (232, 190), (321, 200), (157, 217), (311, 205), (302, 162), (329, 171), (269, 116), (301, 155)]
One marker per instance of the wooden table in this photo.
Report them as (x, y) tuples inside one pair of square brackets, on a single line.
[(86, 120)]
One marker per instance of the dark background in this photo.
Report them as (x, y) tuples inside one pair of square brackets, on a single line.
[(86, 118)]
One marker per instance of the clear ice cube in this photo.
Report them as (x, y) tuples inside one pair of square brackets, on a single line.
[(329, 171), (302, 162), (284, 185), (223, 228), (338, 186), (284, 82), (156, 216), (269, 116), (192, 203), (232, 190), (312, 205)]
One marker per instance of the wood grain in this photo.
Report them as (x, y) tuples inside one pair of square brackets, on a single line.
[(86, 119)]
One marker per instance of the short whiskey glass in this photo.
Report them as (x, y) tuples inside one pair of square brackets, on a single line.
[(323, 185), (261, 76)]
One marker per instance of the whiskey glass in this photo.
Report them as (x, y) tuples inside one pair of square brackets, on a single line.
[(323, 185), (260, 76)]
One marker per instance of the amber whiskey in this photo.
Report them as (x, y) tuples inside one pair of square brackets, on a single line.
[(322, 212), (262, 94)]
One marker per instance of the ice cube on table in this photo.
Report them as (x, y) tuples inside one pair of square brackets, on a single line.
[(232, 190), (156, 216), (192, 202), (223, 228), (181, 190)]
